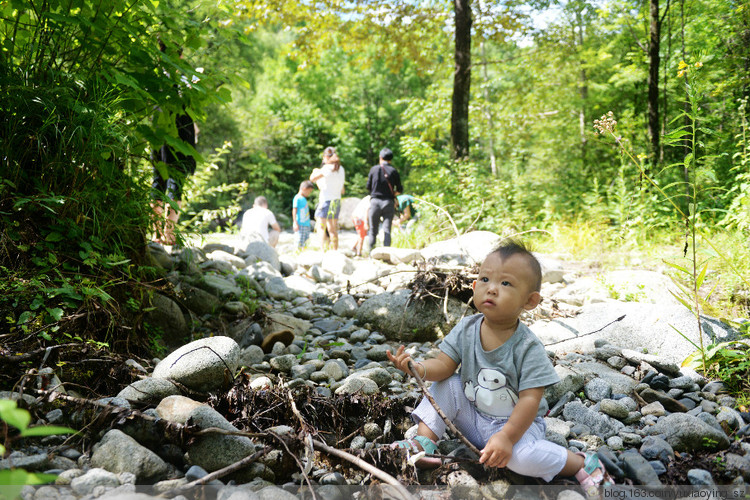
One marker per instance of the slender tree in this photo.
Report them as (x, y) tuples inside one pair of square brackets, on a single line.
[(461, 80), (654, 46)]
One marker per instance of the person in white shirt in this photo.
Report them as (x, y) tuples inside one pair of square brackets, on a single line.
[(257, 220), (330, 180)]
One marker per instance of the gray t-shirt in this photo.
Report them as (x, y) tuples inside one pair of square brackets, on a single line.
[(493, 379)]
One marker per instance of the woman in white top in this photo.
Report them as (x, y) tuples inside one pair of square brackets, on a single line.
[(330, 180)]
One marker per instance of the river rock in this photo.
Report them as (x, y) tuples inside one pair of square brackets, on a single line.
[(688, 433), (599, 424), (198, 300), (215, 451), (257, 250), (468, 249), (167, 317), (85, 484), (176, 408), (345, 306), (638, 469), (148, 390), (418, 321), (118, 452), (337, 263), (203, 365)]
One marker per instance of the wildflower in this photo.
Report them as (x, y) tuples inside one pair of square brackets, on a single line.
[(698, 64), (682, 65), (680, 74), (642, 156), (605, 124)]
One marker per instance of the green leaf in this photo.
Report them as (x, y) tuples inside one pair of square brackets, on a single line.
[(677, 266), (24, 317), (36, 303), (681, 301), (56, 313), (701, 276), (54, 237), (46, 430), (17, 478), (17, 417)]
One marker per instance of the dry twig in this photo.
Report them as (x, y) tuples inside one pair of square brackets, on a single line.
[(434, 404)]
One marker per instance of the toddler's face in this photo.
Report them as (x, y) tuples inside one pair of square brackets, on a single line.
[(306, 192), (503, 288)]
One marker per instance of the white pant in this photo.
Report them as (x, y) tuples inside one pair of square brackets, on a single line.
[(532, 456)]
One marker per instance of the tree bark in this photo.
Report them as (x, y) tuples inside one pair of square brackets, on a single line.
[(461, 80), (653, 78), (488, 115), (583, 89)]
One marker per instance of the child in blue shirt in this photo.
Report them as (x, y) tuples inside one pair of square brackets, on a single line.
[(301, 213)]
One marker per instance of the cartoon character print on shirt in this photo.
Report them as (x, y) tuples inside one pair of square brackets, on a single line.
[(491, 396)]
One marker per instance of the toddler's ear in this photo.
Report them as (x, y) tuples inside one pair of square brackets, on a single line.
[(474, 285), (534, 299)]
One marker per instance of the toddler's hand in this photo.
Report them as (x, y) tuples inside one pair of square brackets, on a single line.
[(400, 360), (497, 451)]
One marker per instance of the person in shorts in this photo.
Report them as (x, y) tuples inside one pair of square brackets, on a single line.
[(330, 180)]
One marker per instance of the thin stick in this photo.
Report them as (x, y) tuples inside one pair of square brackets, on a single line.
[(382, 475), (219, 473), (589, 333), (434, 404)]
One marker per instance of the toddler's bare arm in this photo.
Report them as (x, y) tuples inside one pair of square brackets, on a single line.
[(434, 369), (499, 448)]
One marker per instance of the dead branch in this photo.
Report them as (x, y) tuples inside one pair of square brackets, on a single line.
[(240, 464), (434, 404), (367, 467), (33, 354)]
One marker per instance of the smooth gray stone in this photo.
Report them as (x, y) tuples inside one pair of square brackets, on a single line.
[(638, 469), (700, 477)]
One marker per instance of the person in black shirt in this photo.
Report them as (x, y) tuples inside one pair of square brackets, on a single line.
[(384, 184)]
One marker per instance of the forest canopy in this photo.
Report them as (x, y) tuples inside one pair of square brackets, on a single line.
[(489, 106)]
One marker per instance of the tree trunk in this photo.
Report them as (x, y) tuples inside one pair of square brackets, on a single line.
[(583, 89), (488, 115), (653, 78), (461, 80)]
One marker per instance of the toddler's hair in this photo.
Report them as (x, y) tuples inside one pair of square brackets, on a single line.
[(306, 185), (509, 248)]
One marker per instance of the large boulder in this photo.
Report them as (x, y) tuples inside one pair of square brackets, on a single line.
[(221, 286), (198, 300), (203, 365), (260, 250), (651, 326), (685, 432), (395, 256), (348, 205), (167, 317), (468, 249), (404, 320), (337, 263)]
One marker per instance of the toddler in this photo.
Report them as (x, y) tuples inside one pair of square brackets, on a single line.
[(301, 213), (495, 400)]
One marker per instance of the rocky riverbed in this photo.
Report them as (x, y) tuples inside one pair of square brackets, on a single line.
[(276, 348)]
